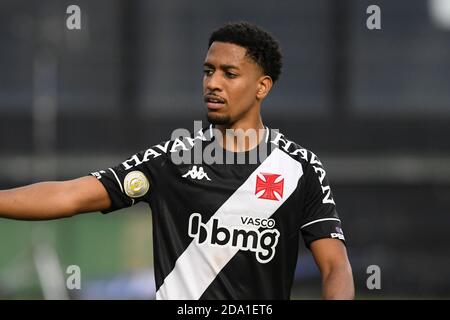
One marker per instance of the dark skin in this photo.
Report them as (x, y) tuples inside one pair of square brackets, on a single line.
[(242, 85), (337, 278), (232, 75)]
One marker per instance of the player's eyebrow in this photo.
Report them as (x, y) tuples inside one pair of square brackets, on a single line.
[(222, 66)]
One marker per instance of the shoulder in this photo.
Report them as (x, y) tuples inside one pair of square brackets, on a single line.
[(296, 151), (313, 169)]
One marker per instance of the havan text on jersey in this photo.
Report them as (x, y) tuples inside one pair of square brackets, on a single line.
[(188, 143)]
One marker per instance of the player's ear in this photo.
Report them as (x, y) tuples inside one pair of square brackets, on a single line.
[(265, 83)]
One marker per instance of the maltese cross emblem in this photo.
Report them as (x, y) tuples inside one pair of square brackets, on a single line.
[(269, 186)]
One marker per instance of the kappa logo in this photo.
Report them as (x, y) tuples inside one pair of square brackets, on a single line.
[(198, 174), (269, 186)]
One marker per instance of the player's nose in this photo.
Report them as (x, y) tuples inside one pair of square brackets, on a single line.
[(213, 83)]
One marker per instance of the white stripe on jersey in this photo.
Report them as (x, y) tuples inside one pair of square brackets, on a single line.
[(318, 220), (117, 178), (198, 265)]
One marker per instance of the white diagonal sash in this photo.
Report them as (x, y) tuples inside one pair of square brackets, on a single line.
[(199, 264)]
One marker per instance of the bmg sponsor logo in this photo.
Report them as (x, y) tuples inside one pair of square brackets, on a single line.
[(247, 237)]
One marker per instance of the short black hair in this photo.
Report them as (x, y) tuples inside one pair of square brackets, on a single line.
[(260, 45)]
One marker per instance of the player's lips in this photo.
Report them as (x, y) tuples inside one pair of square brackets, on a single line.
[(214, 102)]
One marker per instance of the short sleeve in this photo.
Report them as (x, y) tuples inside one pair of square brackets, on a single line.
[(319, 216), (131, 181)]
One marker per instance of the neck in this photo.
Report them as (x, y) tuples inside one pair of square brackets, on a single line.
[(242, 135)]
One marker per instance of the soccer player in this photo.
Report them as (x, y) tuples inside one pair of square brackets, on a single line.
[(220, 230)]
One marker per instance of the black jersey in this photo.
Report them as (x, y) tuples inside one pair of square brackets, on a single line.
[(227, 231)]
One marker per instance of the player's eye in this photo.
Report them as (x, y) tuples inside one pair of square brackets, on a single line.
[(231, 75), (207, 72)]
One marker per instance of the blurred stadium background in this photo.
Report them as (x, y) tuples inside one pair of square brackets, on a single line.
[(373, 104)]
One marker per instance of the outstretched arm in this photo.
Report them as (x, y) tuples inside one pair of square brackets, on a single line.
[(54, 200), (337, 279)]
